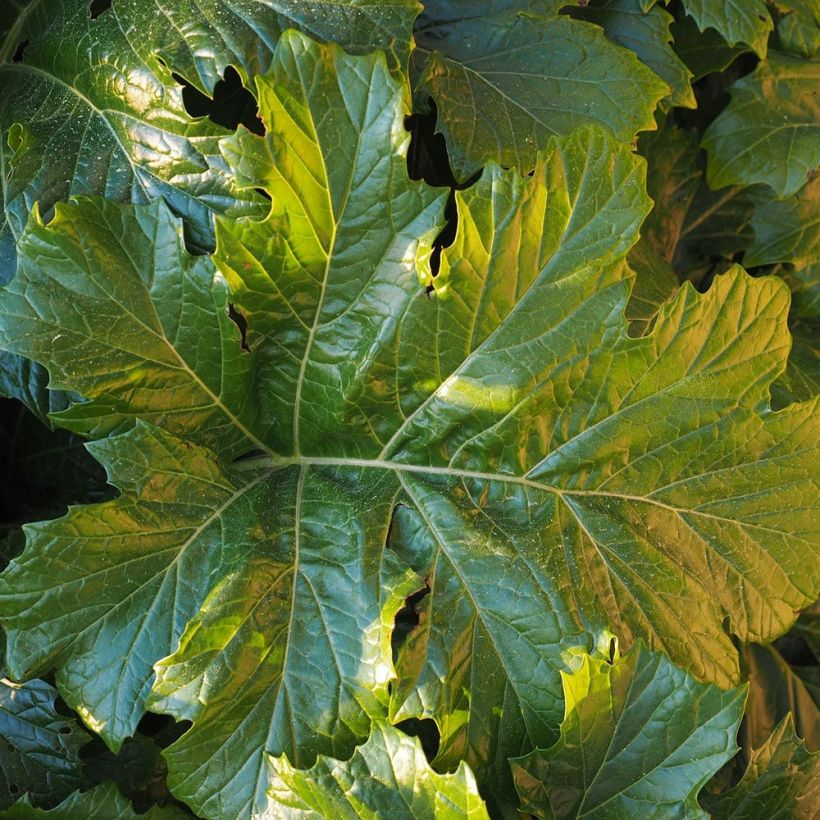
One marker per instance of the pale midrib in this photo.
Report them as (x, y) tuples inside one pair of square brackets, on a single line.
[(279, 463)]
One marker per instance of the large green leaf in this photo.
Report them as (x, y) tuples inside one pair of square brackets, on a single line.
[(386, 777), (639, 739), (737, 21), (506, 80), (550, 477), (770, 131), (781, 781), (103, 802), (40, 747)]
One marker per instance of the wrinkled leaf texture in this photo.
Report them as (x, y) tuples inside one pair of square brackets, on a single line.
[(551, 478)]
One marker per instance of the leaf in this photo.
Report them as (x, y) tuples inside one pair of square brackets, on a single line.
[(156, 308), (506, 81), (801, 380), (737, 22), (775, 690), (702, 52), (770, 131), (691, 227), (387, 776), (115, 124), (782, 780), (798, 26), (551, 478), (639, 738), (786, 230), (655, 283), (201, 39), (648, 35), (40, 747), (139, 769), (103, 802)]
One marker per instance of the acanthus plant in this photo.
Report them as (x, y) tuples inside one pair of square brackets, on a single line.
[(454, 466)]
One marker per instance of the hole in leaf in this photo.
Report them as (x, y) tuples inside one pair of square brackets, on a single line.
[(407, 618), (14, 788), (65, 730), (613, 645), (264, 193), (231, 106), (242, 323), (97, 7), (19, 52), (426, 731), (427, 159)]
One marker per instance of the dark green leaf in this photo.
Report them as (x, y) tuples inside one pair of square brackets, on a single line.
[(103, 802), (703, 52), (648, 35), (786, 230), (39, 748), (506, 81), (770, 131), (84, 112), (639, 739), (744, 21), (781, 782)]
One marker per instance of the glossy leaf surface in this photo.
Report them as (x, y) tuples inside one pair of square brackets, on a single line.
[(503, 438)]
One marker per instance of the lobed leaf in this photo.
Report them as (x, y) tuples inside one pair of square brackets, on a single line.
[(387, 775), (639, 739), (782, 780), (40, 747), (551, 478), (505, 81), (770, 131)]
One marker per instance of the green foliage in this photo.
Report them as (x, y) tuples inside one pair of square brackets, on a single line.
[(386, 458), (639, 738)]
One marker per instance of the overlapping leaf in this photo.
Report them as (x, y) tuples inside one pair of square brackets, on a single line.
[(770, 131), (639, 739), (550, 477), (505, 80), (389, 775), (782, 780), (40, 755), (103, 802), (737, 21), (648, 35), (103, 119)]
